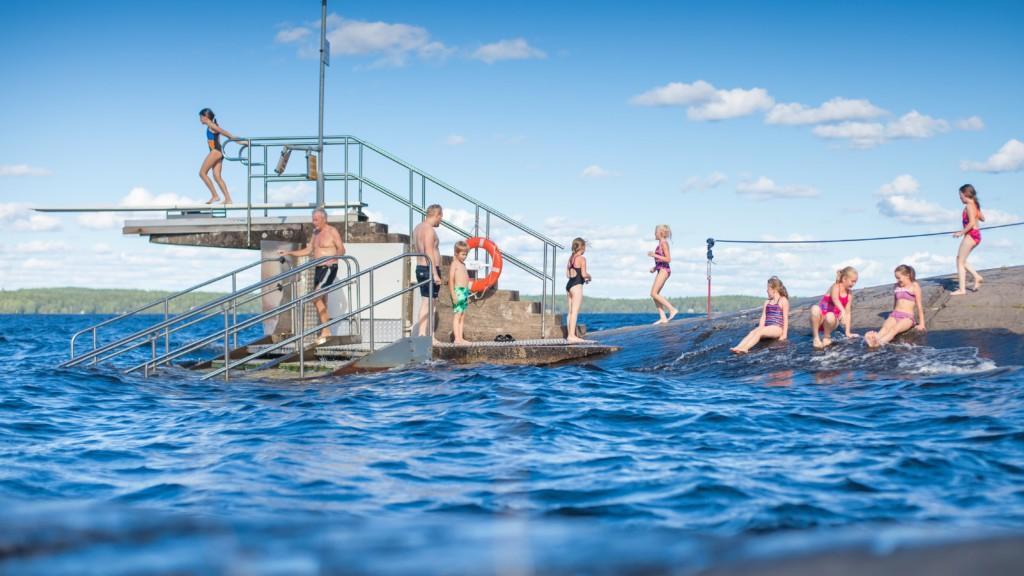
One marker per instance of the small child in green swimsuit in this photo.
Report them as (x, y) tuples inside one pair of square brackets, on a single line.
[(458, 281)]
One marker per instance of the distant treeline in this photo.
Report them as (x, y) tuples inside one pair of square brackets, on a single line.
[(100, 301), (115, 301), (593, 304)]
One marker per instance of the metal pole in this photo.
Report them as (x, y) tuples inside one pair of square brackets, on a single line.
[(347, 174), (411, 201), (423, 194), (320, 133), (167, 334), (248, 196), (234, 309), (302, 337), (371, 309), (360, 174), (544, 295), (227, 347), (266, 192), (487, 234)]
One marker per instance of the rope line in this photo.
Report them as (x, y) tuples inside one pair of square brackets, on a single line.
[(717, 241)]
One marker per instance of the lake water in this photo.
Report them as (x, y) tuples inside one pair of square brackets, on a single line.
[(669, 453)]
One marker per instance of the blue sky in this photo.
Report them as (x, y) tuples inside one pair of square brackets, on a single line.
[(597, 119)]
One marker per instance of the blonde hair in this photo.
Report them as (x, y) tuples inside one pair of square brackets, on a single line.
[(461, 246), (578, 244), (844, 273), (775, 284), (663, 227), (908, 271)]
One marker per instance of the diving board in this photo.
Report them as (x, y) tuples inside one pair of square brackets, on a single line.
[(199, 207)]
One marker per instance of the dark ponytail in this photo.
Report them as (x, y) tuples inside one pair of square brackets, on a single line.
[(209, 115)]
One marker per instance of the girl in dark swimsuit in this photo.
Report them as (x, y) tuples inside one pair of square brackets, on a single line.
[(576, 272), (215, 157)]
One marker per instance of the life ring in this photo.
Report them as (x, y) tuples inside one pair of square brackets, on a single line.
[(480, 285)]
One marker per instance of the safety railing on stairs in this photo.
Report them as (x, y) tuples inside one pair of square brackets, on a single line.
[(163, 305), (355, 152), (303, 333), (227, 306)]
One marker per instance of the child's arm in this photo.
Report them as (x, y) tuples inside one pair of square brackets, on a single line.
[(764, 309), (583, 268), (848, 315), (920, 307), (833, 294), (220, 130), (784, 304), (451, 281)]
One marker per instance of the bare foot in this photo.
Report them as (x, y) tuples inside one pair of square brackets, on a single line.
[(659, 321), (574, 339), (213, 200), (872, 339), (227, 200), (959, 292), (826, 342), (977, 283), (737, 350), (817, 344), (461, 342), (672, 314)]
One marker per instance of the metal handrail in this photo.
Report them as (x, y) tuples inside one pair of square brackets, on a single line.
[(167, 323), (305, 333), (547, 273), (165, 301)]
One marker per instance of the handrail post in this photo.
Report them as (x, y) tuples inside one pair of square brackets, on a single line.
[(360, 173), (152, 347), (227, 353), (430, 303), (554, 268), (544, 294), (423, 193), (167, 332), (248, 196), (266, 192), (234, 309), (476, 231), (302, 337), (411, 202), (372, 305), (93, 345), (487, 234), (345, 225)]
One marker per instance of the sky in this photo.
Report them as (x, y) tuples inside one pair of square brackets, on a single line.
[(731, 120)]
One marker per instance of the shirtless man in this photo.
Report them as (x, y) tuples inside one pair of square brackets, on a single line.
[(425, 240), (326, 242)]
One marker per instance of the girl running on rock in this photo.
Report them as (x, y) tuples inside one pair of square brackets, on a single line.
[(661, 272)]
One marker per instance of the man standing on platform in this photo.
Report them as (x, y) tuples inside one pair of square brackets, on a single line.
[(425, 240), (325, 242)]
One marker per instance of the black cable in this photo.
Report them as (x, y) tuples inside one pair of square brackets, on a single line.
[(716, 240)]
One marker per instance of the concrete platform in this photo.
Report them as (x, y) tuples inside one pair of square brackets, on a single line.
[(524, 353), (232, 232)]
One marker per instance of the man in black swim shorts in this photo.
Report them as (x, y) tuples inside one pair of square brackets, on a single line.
[(425, 241), (326, 241)]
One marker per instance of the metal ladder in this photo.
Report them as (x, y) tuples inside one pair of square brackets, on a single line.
[(355, 154), (226, 306)]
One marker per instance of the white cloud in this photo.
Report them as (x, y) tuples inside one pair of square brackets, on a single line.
[(676, 94), (137, 197), (22, 170), (1009, 158), (512, 49), (102, 248), (289, 35), (595, 172), (393, 42), (41, 246), (834, 110), (971, 124), (20, 217), (900, 199), (697, 183), (913, 124), (928, 264), (998, 217), (902, 185), (455, 140), (704, 102), (765, 189), (292, 193)]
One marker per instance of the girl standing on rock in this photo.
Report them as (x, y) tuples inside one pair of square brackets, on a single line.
[(576, 272), (215, 157), (906, 297), (661, 272), (972, 217)]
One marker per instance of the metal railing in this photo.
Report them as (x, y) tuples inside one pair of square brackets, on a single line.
[(304, 333), (163, 303), (227, 305), (257, 154)]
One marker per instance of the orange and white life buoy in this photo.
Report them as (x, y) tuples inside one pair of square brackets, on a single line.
[(482, 284)]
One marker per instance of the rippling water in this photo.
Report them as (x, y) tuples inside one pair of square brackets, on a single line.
[(440, 468)]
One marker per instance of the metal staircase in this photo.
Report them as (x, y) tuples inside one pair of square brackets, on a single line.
[(357, 158)]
